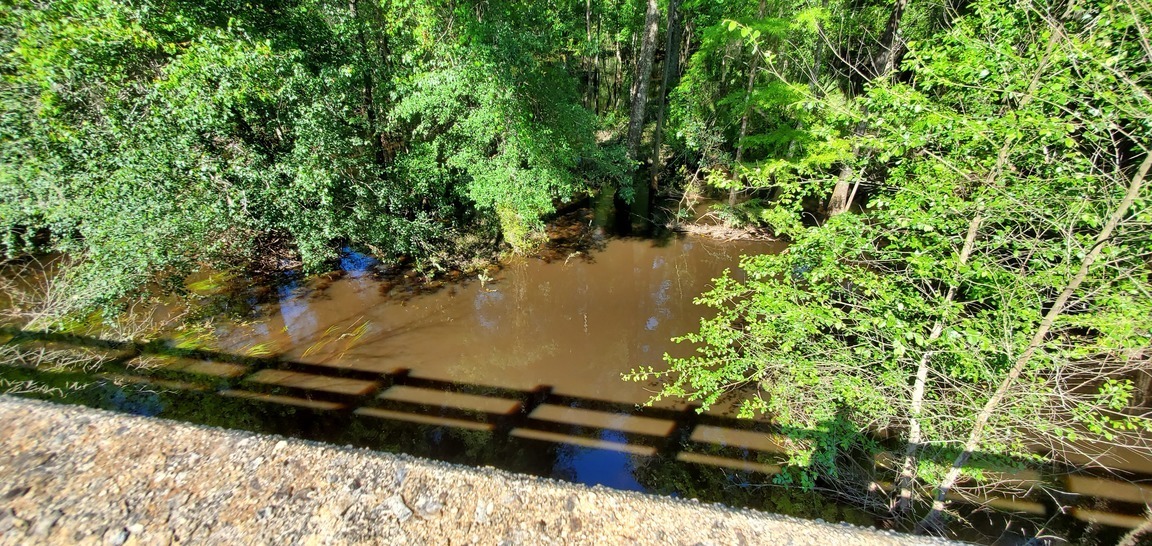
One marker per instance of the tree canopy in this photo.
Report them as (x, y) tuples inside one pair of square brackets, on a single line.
[(992, 303), (156, 137)]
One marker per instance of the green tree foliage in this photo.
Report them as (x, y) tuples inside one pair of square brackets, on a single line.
[(990, 300), (1020, 136), (152, 138), (769, 107)]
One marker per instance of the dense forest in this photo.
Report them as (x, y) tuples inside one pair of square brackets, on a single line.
[(962, 185)]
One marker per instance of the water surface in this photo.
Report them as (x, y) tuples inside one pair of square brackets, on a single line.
[(519, 368), (575, 324)]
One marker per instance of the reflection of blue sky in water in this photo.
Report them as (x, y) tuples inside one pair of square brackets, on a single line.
[(359, 267), (134, 399), (483, 300), (357, 264), (598, 466), (299, 321), (661, 298), (296, 307), (574, 325)]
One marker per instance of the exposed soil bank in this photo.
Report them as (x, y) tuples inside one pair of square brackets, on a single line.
[(77, 475)]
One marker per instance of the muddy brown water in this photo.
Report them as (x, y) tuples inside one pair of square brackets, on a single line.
[(575, 325), (519, 369)]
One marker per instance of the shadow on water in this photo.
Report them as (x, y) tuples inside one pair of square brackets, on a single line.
[(535, 431), (519, 369), (539, 431)]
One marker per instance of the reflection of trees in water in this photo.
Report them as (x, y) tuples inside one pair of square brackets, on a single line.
[(203, 408), (735, 488), (509, 338), (500, 364), (1094, 534), (478, 448), (573, 463), (339, 428), (445, 443)]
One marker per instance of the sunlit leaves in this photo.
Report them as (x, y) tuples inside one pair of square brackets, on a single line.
[(157, 138), (990, 123)]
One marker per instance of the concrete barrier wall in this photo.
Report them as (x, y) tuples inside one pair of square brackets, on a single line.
[(77, 475)]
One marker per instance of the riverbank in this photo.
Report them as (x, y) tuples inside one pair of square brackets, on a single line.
[(76, 475)]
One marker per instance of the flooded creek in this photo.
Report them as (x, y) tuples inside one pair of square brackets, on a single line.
[(519, 369), (575, 325)]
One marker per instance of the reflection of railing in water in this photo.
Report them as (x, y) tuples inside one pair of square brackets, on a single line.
[(536, 414)]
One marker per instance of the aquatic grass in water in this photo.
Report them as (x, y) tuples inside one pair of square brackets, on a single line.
[(193, 337), (214, 284), (351, 335), (260, 350)]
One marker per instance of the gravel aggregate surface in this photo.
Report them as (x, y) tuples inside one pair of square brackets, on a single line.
[(75, 475)]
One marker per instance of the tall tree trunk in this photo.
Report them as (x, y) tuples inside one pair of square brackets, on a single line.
[(671, 69), (726, 64), (686, 50), (618, 88), (596, 63), (368, 85), (589, 65), (813, 87), (884, 63), (755, 65), (838, 202), (818, 57), (908, 470), (643, 78), (932, 520)]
